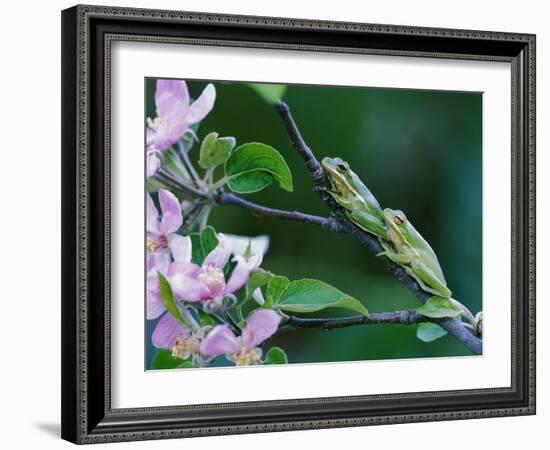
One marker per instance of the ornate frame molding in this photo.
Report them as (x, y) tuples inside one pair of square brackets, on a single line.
[(88, 32)]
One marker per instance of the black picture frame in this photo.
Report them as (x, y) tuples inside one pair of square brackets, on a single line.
[(87, 33)]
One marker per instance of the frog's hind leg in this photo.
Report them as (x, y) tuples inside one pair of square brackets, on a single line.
[(427, 280)]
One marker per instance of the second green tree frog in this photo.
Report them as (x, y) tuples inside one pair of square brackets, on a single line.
[(412, 251), (360, 206)]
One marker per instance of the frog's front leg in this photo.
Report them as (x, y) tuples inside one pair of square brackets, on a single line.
[(368, 222), (345, 202), (427, 280), (398, 258)]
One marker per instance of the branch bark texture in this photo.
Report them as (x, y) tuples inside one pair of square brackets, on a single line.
[(406, 317)]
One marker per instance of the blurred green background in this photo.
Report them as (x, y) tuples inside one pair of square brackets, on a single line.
[(419, 151)]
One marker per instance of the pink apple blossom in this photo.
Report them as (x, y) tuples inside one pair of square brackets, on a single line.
[(192, 283), (183, 342), (175, 115), (157, 262), (243, 350), (207, 283), (162, 228)]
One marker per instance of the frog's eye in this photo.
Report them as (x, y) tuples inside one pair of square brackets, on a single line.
[(342, 167), (399, 220)]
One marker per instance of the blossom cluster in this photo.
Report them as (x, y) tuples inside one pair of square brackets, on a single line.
[(198, 288), (206, 286), (175, 115)]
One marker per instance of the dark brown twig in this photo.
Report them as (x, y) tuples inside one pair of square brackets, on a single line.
[(406, 317), (328, 223)]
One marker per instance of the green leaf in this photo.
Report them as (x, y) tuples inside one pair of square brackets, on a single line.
[(258, 278), (308, 296), (209, 240), (214, 150), (250, 182), (168, 299), (275, 355), (186, 365), (163, 359), (271, 93), (438, 307), (228, 269), (275, 288), (205, 318), (428, 331), (202, 244), (254, 166), (197, 253)]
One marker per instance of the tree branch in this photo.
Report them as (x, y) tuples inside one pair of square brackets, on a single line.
[(454, 327), (314, 167), (225, 198), (188, 165), (406, 317), (165, 176)]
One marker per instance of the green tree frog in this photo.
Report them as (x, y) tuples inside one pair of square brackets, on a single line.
[(412, 251), (347, 189)]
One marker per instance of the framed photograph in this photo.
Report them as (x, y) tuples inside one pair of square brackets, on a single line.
[(281, 224)]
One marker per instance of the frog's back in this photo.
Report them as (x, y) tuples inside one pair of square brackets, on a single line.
[(426, 253), (369, 199)]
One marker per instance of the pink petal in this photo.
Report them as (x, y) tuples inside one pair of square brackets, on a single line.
[(149, 137), (220, 255), (188, 288), (157, 262), (184, 268), (165, 333), (220, 341), (154, 305), (152, 215), (169, 132), (261, 325), (202, 106), (171, 212), (171, 98), (241, 272), (153, 164), (180, 247), (239, 276)]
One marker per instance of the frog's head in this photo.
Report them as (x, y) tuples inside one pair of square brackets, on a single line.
[(339, 174), (397, 224)]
